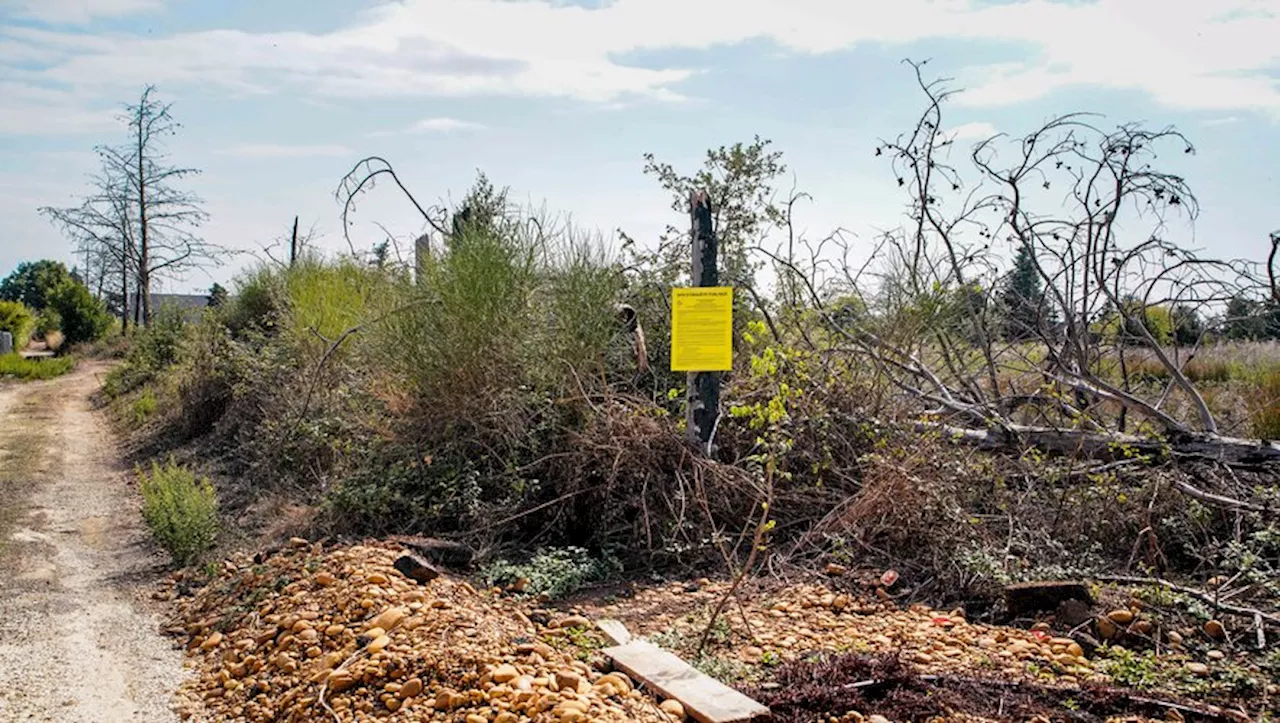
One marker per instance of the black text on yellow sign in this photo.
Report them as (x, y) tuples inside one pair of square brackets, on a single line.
[(702, 329)]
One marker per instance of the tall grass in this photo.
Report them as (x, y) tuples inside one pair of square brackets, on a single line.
[(504, 307), (1266, 407)]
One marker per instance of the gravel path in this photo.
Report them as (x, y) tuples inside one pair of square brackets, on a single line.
[(78, 639)]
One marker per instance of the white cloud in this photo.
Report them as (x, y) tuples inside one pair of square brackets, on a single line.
[(971, 131), (1204, 56), (32, 110), (271, 150), (442, 125), (431, 125), (76, 11)]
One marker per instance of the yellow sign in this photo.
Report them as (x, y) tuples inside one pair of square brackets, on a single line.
[(702, 329)]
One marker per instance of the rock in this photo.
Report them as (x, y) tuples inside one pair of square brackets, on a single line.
[(411, 687), (573, 621), (1215, 630), (1106, 628), (878, 719), (1216, 655), (389, 618), (415, 568), (505, 673), (836, 570), (1199, 669), (1026, 598), (1174, 637), (567, 680), (1120, 617), (379, 644), (673, 708)]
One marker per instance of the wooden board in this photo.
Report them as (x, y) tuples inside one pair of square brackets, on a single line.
[(614, 631), (705, 699)]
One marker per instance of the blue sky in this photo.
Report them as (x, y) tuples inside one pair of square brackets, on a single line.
[(560, 100)]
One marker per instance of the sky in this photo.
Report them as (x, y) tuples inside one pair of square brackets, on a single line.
[(559, 100)]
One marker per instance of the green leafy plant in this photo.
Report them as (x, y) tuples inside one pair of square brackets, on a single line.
[(553, 572), (180, 509), (1126, 667)]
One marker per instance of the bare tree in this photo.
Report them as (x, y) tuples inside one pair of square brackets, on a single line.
[(1094, 214), (102, 228), (164, 217)]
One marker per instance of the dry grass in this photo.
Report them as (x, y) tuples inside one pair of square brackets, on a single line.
[(23, 438)]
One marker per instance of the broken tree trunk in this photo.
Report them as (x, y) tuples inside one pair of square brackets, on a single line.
[(1231, 451)]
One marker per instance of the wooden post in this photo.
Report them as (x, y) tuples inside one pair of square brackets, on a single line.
[(703, 388), (293, 243)]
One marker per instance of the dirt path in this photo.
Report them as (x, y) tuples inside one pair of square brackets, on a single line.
[(78, 641)]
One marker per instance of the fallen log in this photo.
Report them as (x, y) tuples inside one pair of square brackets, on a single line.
[(1253, 614), (1231, 451)]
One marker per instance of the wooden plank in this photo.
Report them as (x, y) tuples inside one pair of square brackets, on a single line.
[(614, 631), (705, 699)]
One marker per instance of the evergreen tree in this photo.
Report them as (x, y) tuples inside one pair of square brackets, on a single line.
[(217, 295), (1022, 298)]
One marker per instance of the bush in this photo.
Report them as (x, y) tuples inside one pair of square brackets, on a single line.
[(84, 318), (48, 322), (181, 510), (153, 350), (143, 407), (257, 304), (18, 320), (17, 366)]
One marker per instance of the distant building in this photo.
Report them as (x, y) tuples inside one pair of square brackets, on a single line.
[(192, 305)]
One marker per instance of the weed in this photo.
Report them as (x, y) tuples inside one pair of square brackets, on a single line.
[(552, 572), (1140, 671), (181, 510)]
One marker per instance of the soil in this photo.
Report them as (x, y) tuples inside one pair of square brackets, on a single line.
[(79, 641)]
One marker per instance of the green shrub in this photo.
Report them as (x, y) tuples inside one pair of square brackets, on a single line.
[(48, 322), (83, 318), (257, 304), (554, 572), (16, 366), (181, 510), (152, 350), (143, 407), (18, 320)]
